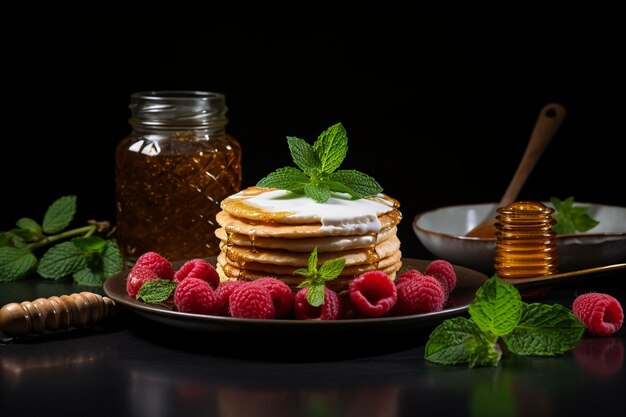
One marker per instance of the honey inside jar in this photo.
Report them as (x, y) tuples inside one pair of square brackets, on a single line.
[(170, 180), (525, 242)]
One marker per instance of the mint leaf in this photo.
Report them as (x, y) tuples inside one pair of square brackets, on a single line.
[(459, 340), (60, 214), (319, 193), (15, 263), (302, 154), (545, 330), (317, 176), (287, 178), (5, 238), (156, 291), (24, 235), (331, 269), (571, 219), (29, 224), (112, 262), (88, 277), (90, 244), (331, 147), (357, 184), (315, 295), (318, 277), (497, 307), (103, 260), (61, 260), (312, 262)]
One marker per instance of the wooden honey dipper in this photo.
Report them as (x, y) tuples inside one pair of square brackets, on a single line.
[(54, 313)]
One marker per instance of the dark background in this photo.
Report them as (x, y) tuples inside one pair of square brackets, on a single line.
[(438, 101)]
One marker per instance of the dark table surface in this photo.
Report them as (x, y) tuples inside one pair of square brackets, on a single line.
[(131, 365)]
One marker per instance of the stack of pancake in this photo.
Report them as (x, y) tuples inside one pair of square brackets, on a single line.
[(269, 232)]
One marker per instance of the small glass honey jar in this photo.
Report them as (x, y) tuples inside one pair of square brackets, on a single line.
[(525, 241), (172, 172)]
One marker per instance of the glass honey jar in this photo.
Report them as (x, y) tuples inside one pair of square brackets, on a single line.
[(172, 171), (525, 242)]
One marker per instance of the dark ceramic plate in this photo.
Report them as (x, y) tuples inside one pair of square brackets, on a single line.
[(468, 281)]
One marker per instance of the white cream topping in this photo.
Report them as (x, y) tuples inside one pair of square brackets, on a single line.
[(339, 215)]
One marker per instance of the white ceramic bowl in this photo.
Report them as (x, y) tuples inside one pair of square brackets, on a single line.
[(442, 231)]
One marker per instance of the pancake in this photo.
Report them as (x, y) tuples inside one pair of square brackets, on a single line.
[(245, 255), (285, 230), (269, 232), (323, 244), (280, 206), (339, 284), (271, 269)]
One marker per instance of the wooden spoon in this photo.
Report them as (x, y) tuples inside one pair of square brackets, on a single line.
[(548, 121)]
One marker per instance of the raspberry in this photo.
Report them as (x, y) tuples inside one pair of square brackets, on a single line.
[(251, 301), (156, 263), (137, 277), (444, 272), (194, 295), (372, 294), (223, 292), (601, 313), (198, 268), (420, 295), (282, 296), (330, 310), (407, 275)]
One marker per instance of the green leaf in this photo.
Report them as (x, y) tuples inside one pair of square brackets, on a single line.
[(89, 277), (317, 175), (315, 295), (545, 330), (319, 193), (156, 291), (62, 260), (302, 154), (497, 307), (331, 147), (29, 224), (112, 261), (459, 340), (331, 269), (15, 263), (571, 219), (316, 278), (5, 238), (287, 178), (312, 262), (90, 244), (360, 184), (92, 248), (60, 214), (25, 235)]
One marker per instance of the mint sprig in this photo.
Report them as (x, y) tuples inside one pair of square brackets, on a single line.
[(78, 252), (497, 314), (317, 278), (569, 218), (316, 176), (156, 291)]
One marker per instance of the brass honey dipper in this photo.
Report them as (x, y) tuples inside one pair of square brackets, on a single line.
[(54, 313)]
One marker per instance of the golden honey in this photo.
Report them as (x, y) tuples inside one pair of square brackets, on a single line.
[(525, 241), (172, 172)]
